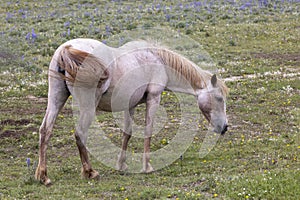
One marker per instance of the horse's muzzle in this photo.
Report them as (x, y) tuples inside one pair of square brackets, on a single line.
[(224, 129)]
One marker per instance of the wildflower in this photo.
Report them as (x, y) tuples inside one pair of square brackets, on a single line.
[(28, 162), (164, 141), (168, 17), (67, 24), (27, 36), (215, 195), (107, 29), (8, 16), (33, 35)]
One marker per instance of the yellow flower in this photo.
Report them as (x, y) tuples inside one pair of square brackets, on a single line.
[(215, 195), (164, 141)]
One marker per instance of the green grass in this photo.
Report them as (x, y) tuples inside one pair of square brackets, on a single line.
[(257, 159)]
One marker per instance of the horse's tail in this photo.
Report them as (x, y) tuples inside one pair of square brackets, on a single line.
[(81, 68)]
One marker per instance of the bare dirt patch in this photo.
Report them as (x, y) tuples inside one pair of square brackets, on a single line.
[(15, 122), (19, 127)]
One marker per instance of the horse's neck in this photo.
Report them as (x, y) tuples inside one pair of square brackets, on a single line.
[(184, 87), (181, 84)]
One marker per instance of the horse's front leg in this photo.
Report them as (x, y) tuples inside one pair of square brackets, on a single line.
[(128, 118), (87, 108), (152, 104)]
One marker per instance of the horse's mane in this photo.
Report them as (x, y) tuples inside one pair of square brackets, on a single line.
[(188, 70)]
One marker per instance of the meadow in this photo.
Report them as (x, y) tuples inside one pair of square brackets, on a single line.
[(255, 47)]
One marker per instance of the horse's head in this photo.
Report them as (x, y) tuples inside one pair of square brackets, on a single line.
[(211, 101)]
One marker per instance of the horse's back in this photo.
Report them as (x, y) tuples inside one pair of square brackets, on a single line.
[(91, 46)]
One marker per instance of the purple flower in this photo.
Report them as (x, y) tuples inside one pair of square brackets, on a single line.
[(246, 5), (28, 162), (107, 29), (168, 17), (8, 16), (33, 35), (158, 7), (67, 24), (28, 36)]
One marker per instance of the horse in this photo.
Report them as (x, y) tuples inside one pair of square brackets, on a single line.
[(91, 72)]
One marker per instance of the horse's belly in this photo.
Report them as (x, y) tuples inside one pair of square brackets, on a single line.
[(112, 103)]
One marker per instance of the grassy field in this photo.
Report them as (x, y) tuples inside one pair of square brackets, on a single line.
[(255, 45)]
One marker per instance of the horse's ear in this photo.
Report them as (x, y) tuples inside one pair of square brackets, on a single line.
[(214, 80)]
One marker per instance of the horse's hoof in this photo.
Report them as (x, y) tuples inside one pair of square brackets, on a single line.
[(41, 176), (94, 175), (90, 174), (122, 167), (47, 182), (148, 170)]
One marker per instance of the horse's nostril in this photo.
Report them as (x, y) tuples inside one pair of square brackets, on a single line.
[(224, 129)]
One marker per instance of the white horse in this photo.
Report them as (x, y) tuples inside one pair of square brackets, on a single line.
[(91, 72)]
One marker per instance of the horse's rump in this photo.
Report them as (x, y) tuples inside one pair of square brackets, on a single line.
[(82, 68)]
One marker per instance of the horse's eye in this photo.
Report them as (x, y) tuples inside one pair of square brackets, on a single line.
[(219, 99)]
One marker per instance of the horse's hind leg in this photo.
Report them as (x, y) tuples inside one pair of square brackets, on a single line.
[(121, 165), (86, 100), (57, 96)]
